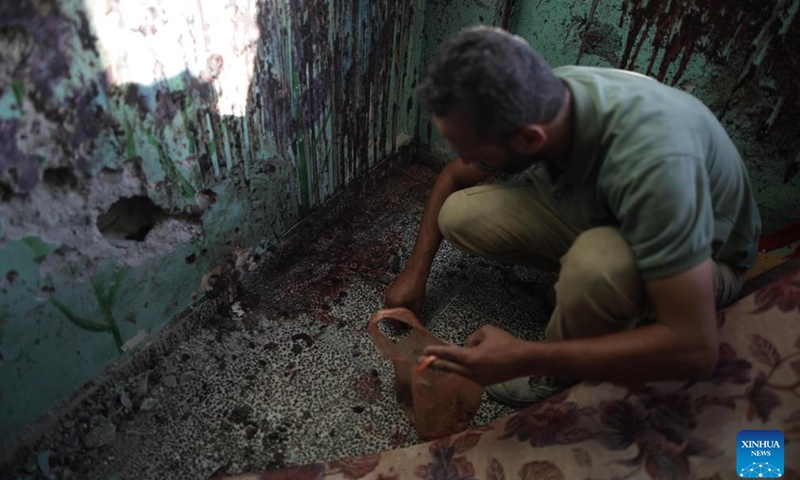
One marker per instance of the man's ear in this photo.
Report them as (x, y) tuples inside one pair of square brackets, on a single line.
[(529, 139)]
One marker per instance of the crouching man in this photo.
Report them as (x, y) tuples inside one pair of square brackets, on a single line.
[(637, 198)]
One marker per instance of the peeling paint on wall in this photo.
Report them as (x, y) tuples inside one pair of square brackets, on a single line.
[(144, 145)]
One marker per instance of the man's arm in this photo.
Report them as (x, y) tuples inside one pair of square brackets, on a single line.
[(682, 345), (408, 290)]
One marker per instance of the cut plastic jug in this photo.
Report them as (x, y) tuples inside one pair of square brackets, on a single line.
[(437, 403)]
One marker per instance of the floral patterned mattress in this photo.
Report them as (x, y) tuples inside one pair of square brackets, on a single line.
[(603, 431)]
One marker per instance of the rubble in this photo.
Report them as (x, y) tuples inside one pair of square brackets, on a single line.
[(101, 436)]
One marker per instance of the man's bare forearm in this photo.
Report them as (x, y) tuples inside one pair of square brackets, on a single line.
[(456, 176), (429, 237), (645, 354)]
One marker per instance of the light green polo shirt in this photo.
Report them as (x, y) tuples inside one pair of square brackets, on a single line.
[(653, 161)]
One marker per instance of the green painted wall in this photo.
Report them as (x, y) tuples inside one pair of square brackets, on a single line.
[(738, 56), (223, 124)]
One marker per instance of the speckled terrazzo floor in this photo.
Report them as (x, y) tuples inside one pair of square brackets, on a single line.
[(289, 374)]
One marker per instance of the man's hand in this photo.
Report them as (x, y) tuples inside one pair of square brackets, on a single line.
[(407, 291), (491, 355)]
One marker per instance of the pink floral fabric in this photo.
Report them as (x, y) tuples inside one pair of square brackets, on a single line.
[(603, 431)]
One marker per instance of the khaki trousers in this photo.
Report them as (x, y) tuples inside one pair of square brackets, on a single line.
[(599, 289)]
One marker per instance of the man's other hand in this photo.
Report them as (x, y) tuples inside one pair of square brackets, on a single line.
[(491, 355)]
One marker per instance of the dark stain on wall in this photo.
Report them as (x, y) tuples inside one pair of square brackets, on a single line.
[(685, 27), (330, 73), (601, 39), (41, 35), (49, 61), (748, 36)]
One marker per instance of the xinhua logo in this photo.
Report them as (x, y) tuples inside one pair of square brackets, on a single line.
[(759, 454)]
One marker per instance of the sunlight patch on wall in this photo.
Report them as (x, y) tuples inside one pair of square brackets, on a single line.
[(148, 41)]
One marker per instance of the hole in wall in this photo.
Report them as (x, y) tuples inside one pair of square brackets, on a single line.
[(5, 192), (11, 276), (60, 177), (130, 218)]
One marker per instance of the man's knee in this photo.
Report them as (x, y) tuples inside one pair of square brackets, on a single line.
[(597, 253), (453, 220), (599, 290), (463, 223), (599, 267)]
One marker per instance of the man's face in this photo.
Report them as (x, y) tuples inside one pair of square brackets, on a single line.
[(464, 141)]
